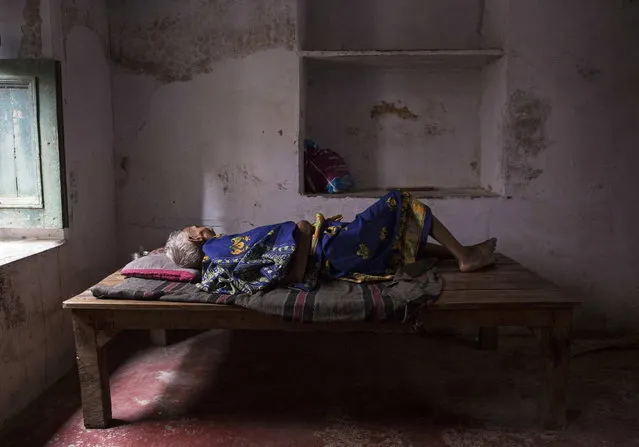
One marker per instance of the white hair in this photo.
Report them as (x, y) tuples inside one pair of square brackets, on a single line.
[(182, 251)]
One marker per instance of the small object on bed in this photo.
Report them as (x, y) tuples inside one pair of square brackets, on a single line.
[(157, 265)]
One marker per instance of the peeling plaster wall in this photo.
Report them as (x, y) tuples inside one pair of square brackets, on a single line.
[(36, 341), (215, 142), (152, 40), (433, 122), (570, 139)]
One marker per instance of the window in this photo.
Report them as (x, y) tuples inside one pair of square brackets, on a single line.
[(31, 154)]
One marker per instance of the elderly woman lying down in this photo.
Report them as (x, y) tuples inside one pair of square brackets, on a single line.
[(389, 234)]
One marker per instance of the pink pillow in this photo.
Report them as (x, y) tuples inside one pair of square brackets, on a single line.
[(159, 266)]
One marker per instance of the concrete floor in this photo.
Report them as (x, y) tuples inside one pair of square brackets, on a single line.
[(271, 389)]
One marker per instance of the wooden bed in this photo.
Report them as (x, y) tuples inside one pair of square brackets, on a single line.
[(504, 295)]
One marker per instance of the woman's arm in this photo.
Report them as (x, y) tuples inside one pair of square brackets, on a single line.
[(303, 237)]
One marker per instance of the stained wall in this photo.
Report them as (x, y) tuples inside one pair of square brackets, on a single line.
[(36, 341), (206, 127)]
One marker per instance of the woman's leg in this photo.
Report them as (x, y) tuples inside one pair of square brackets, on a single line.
[(469, 257), (436, 251)]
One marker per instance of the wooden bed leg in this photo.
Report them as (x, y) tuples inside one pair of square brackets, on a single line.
[(488, 338), (94, 376), (555, 347), (158, 337)]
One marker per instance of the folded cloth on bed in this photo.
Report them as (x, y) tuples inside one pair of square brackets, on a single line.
[(333, 300)]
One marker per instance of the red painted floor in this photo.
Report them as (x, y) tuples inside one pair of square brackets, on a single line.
[(261, 389)]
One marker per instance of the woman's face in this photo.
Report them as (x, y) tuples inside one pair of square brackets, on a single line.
[(199, 235)]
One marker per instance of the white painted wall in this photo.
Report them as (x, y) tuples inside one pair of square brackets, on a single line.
[(574, 223), (207, 148), (391, 25), (398, 127), (36, 341), (10, 34)]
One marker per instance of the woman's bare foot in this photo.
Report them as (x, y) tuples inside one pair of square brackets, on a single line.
[(478, 256)]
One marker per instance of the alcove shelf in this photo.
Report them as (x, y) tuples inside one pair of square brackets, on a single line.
[(471, 58), (420, 193), (411, 93)]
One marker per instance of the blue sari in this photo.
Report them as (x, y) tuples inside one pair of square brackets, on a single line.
[(247, 262), (385, 236), (381, 239)]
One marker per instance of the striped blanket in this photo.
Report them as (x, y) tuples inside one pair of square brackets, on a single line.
[(395, 300)]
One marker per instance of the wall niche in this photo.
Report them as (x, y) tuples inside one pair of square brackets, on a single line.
[(409, 92)]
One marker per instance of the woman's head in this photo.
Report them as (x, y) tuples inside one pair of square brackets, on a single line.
[(184, 247), (199, 235)]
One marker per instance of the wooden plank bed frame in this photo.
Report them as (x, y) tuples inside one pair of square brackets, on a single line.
[(503, 295)]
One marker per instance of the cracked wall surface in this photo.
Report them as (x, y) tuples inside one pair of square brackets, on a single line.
[(31, 41), (87, 14), (177, 41), (526, 135), (36, 341), (207, 112)]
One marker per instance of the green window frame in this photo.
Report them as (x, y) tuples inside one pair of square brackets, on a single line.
[(32, 187)]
